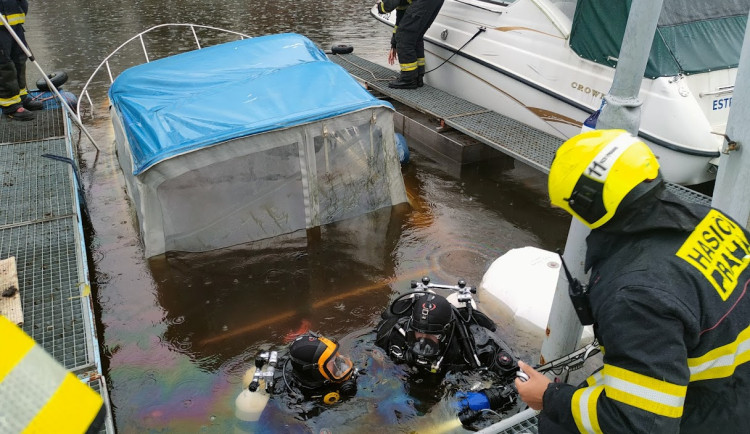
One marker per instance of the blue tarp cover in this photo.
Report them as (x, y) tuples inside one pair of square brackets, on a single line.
[(193, 100)]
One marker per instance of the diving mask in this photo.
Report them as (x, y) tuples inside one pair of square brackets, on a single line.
[(332, 365), (425, 348)]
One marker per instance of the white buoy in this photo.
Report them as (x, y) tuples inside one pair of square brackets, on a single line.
[(518, 289)]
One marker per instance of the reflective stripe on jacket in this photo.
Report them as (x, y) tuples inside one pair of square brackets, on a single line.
[(39, 394), (14, 11)]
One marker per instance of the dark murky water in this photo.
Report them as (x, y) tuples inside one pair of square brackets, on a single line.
[(180, 330)]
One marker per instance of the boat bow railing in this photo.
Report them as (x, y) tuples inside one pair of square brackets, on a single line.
[(139, 38)]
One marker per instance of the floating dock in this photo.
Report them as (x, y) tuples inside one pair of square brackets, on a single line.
[(41, 227), (515, 139)]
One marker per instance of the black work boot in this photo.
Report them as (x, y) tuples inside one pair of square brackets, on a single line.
[(404, 83), (32, 104), (21, 115), (420, 76)]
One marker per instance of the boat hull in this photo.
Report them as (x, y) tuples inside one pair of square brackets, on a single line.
[(515, 60), (546, 112)]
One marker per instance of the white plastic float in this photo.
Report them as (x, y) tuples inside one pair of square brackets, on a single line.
[(518, 289)]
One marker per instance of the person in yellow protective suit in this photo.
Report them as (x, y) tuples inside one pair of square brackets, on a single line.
[(667, 296), (14, 97), (409, 37)]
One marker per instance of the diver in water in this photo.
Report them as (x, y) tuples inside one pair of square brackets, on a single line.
[(318, 371), (429, 333), (435, 336), (313, 376)]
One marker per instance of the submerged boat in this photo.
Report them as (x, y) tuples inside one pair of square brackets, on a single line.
[(549, 63), (247, 140)]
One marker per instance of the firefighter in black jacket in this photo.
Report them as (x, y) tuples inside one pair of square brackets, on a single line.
[(668, 293), (14, 99), (410, 28)]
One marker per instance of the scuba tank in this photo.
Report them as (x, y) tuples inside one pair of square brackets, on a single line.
[(257, 385)]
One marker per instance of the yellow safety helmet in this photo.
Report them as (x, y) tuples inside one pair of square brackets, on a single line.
[(594, 171)]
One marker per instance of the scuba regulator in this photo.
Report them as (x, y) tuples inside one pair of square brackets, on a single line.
[(264, 373)]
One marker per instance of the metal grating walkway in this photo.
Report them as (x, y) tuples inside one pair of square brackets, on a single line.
[(48, 280), (48, 123), (531, 146), (33, 188), (525, 144), (40, 225), (528, 426)]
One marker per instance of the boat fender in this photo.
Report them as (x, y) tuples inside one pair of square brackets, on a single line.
[(58, 78), (402, 148), (342, 49)]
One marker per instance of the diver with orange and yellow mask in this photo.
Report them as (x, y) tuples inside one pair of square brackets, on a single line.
[(313, 376)]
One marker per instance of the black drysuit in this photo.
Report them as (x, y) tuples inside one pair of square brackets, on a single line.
[(492, 352), (669, 292)]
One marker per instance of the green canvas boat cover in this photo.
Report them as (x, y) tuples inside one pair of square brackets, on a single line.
[(692, 36)]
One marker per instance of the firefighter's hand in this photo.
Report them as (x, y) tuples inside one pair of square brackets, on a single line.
[(532, 390), (379, 5), (392, 56)]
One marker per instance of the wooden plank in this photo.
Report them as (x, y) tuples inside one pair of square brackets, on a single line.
[(10, 294)]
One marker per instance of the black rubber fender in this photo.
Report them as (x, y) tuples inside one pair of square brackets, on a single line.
[(58, 78), (342, 49)]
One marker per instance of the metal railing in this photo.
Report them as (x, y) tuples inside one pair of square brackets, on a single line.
[(139, 38)]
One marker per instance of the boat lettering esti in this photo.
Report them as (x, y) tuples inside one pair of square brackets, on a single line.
[(549, 63)]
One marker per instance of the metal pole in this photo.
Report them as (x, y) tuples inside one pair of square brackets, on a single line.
[(732, 188), (623, 110), (563, 327), (63, 103), (623, 107)]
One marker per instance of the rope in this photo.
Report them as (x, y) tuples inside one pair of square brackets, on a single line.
[(367, 70), (481, 29), (374, 78)]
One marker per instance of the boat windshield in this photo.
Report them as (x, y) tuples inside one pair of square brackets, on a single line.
[(567, 7)]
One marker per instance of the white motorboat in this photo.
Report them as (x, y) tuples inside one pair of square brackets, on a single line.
[(549, 63), (247, 140)]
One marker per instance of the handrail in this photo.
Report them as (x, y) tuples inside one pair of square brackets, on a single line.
[(721, 90), (139, 36)]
